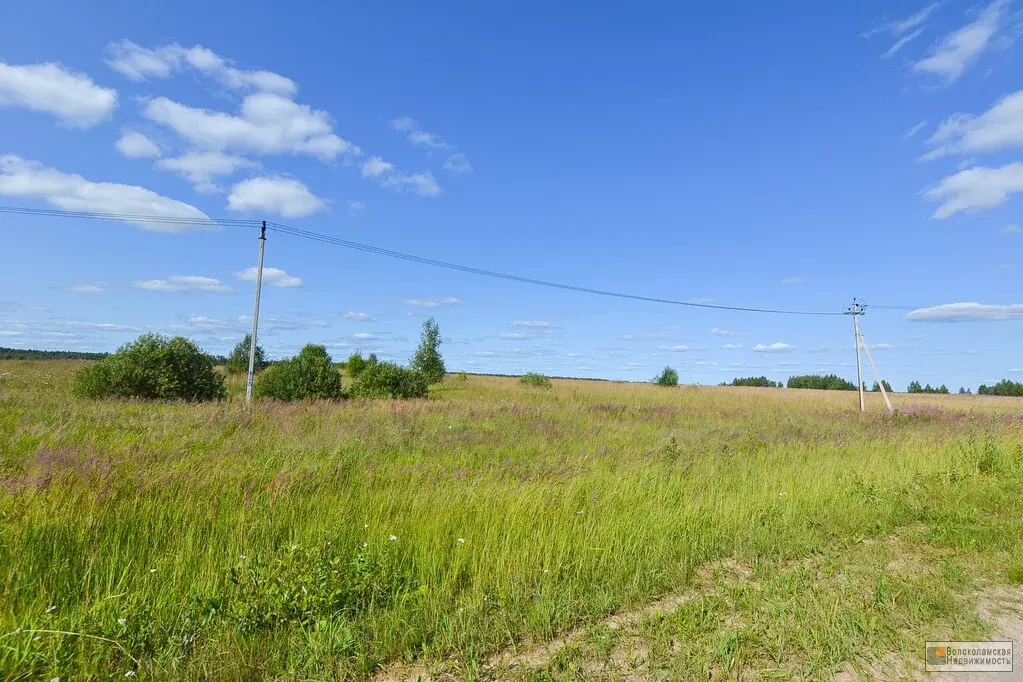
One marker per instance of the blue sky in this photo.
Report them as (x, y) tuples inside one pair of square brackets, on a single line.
[(787, 155)]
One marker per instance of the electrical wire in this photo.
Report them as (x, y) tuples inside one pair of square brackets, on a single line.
[(346, 243), (128, 217)]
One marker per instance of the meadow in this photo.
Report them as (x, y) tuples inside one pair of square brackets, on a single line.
[(784, 534)]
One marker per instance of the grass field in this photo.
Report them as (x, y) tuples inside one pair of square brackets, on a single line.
[(334, 541)]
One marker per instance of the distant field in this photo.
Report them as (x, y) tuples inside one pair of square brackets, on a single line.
[(361, 539)]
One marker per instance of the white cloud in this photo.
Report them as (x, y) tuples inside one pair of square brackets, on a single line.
[(956, 52), (86, 288), (50, 88), (789, 281), (375, 166), (405, 124), (1010, 229), (356, 207), (641, 337), (683, 348), (184, 284), (903, 30), (140, 63), (914, 130), (268, 124), (998, 128), (272, 276), (363, 336), (773, 348), (901, 43), (421, 183), (531, 324), (975, 189), (32, 180), (716, 331), (458, 163), (286, 197), (732, 346), (358, 317), (136, 146), (967, 312), (421, 138), (432, 302), (513, 336), (201, 168)]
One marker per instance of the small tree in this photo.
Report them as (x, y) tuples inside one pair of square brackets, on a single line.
[(153, 367), (355, 364), (310, 374), (238, 360), (535, 379), (388, 380), (667, 377), (877, 389), (914, 387), (427, 359)]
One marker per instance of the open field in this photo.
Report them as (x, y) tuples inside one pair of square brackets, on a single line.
[(784, 534)]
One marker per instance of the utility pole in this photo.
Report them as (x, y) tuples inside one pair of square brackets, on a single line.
[(255, 317), (856, 310)]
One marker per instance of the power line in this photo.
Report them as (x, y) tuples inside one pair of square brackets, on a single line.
[(127, 217), (337, 241)]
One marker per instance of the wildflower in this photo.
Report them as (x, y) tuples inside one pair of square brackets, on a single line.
[(545, 571), (782, 494), (461, 541), (294, 547), (36, 638), (579, 513), (244, 556), (55, 679), (51, 608), (394, 538), (130, 673), (122, 621)]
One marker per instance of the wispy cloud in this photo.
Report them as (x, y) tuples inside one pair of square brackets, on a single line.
[(358, 317), (86, 288), (184, 284), (531, 324), (717, 331), (1010, 229), (641, 337), (975, 189), (732, 346), (902, 30), (954, 54), (432, 302), (682, 348), (967, 312), (275, 277), (457, 162), (792, 281), (356, 207), (998, 128), (914, 130)]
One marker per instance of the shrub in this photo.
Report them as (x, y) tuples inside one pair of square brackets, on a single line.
[(828, 382), (462, 377), (427, 358), (153, 367), (1003, 387), (536, 379), (667, 377), (759, 382), (310, 374), (238, 360), (388, 380)]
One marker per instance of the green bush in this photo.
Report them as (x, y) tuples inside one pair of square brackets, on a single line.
[(536, 379), (356, 364), (758, 382), (310, 374), (1003, 387), (388, 380), (427, 359), (238, 360), (667, 377), (153, 367)]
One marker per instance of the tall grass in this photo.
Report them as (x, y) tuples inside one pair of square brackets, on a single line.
[(311, 539)]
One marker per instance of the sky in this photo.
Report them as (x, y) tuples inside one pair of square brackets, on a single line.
[(774, 155)]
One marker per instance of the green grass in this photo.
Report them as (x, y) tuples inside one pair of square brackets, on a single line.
[(207, 542)]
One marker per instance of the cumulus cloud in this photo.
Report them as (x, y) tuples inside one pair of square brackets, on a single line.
[(954, 54), (286, 197), (202, 168), (432, 302), (358, 317), (70, 97), (136, 146), (374, 167), (773, 347), (998, 128), (967, 312), (975, 189), (272, 276), (139, 63), (184, 284), (32, 180), (267, 124)]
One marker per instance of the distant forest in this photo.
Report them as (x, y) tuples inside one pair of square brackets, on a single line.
[(28, 354)]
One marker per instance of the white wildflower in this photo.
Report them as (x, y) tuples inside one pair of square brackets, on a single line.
[(461, 541), (51, 608), (130, 673), (37, 638), (122, 621), (394, 538), (152, 570)]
